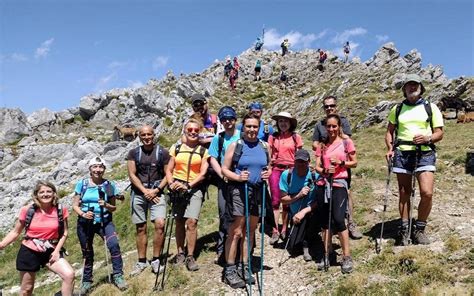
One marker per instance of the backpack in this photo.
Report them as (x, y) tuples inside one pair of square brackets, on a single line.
[(428, 111), (346, 49), (177, 150), (214, 122), (238, 152), (158, 156), (31, 211), (220, 146)]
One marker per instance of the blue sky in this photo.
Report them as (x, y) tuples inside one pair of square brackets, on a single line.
[(53, 52)]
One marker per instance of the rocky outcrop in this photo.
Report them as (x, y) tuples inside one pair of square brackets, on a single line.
[(13, 125)]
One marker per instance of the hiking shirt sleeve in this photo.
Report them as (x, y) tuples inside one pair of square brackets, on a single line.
[(391, 115), (346, 126), (78, 188), (214, 147), (317, 135), (437, 117)]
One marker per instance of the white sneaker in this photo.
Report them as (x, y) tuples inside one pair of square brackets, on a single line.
[(139, 267), (155, 265)]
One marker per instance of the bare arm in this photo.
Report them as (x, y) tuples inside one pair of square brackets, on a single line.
[(13, 234), (217, 168), (389, 140), (226, 166)]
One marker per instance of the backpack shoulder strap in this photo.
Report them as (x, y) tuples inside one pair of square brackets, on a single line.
[(293, 136), (85, 184), (266, 128), (107, 185), (60, 221), (220, 146), (159, 156), (29, 216), (177, 148), (264, 145), (237, 153), (138, 155), (429, 112), (288, 177)]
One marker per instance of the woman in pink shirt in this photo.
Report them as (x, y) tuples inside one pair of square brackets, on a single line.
[(44, 239), (283, 146), (333, 157)]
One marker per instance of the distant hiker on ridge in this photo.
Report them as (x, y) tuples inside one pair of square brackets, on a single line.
[(285, 45), (258, 44), (346, 49), (258, 69)]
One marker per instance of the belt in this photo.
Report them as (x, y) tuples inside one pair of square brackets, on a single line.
[(283, 166)]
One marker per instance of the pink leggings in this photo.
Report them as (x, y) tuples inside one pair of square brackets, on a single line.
[(274, 182)]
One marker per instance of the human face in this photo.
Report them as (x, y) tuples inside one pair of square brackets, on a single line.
[(330, 106), (228, 122), (45, 195), (192, 132), (412, 90), (96, 171), (256, 112), (283, 124), (146, 136), (251, 126), (332, 127), (301, 166), (200, 107)]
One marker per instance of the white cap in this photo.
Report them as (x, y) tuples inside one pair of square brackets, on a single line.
[(97, 160)]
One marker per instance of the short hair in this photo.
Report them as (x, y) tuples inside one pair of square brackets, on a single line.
[(330, 97), (249, 116), (37, 188), (194, 120)]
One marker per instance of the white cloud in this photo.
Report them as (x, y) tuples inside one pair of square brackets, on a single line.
[(341, 38), (104, 81), (159, 62), (18, 57), (116, 64), (381, 38), (43, 50), (273, 39), (135, 84)]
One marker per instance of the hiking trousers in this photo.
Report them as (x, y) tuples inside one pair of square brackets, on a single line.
[(86, 231), (224, 219)]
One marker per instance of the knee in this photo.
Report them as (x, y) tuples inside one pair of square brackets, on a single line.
[(68, 275), (426, 195), (236, 234), (191, 224), (159, 224), (141, 229)]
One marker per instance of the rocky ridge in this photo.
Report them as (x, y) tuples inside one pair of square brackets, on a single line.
[(56, 145)]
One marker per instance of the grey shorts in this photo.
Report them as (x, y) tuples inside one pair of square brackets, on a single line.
[(140, 206), (236, 204), (188, 205), (404, 162)]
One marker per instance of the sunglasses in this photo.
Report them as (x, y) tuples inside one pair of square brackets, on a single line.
[(192, 130), (197, 105), (227, 119), (329, 106)]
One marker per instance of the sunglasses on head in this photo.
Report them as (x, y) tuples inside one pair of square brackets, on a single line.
[(192, 130), (329, 106)]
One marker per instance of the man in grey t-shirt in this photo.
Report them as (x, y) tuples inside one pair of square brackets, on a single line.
[(320, 135)]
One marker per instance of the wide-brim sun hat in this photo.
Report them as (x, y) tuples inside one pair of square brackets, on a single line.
[(413, 78), (286, 115)]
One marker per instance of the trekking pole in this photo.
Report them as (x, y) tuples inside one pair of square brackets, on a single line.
[(102, 225), (88, 240), (412, 196), (327, 243), (247, 222), (169, 231), (378, 245), (263, 212)]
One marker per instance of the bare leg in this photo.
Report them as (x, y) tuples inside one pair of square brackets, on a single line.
[(426, 181), (65, 271), (158, 237), (233, 237), (27, 283), (180, 234), (404, 188), (191, 235), (141, 240)]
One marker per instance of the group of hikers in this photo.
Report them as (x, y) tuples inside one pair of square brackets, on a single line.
[(261, 172), (231, 68)]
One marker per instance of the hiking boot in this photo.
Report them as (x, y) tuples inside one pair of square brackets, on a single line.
[(306, 256), (155, 265), (179, 259), (403, 237), (232, 278), (320, 265), (274, 238), (139, 267), (420, 237), (354, 233), (347, 264), (332, 260), (85, 288), (120, 282), (191, 263), (243, 272)]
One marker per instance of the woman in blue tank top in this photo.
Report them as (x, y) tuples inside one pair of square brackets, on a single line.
[(250, 167)]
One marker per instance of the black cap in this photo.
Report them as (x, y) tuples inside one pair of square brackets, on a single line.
[(198, 98), (302, 155)]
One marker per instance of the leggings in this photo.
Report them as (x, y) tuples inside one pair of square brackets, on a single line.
[(339, 205), (274, 183)]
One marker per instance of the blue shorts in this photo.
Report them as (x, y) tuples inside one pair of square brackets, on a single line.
[(404, 162)]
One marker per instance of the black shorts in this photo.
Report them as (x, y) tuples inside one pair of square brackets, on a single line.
[(32, 261)]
